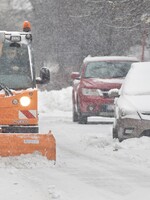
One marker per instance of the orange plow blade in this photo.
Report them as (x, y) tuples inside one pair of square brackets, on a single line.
[(15, 144)]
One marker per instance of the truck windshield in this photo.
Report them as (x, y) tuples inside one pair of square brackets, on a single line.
[(15, 69), (107, 69)]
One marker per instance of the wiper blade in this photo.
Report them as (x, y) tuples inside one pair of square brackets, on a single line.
[(88, 77), (6, 89), (119, 76)]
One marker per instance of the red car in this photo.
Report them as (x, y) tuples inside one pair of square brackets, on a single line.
[(91, 86)]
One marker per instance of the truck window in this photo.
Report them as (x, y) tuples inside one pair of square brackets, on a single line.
[(15, 69)]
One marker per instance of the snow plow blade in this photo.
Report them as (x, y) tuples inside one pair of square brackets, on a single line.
[(15, 144)]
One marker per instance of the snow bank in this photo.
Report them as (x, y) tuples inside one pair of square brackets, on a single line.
[(98, 142), (28, 161), (134, 150), (55, 100)]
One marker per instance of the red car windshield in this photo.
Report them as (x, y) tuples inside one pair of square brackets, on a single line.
[(107, 69)]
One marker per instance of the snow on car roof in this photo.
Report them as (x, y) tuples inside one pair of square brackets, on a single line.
[(6, 35), (142, 64), (110, 58)]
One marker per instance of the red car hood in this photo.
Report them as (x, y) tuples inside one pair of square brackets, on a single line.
[(101, 83)]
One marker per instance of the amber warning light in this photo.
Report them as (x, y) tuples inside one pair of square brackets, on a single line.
[(26, 26)]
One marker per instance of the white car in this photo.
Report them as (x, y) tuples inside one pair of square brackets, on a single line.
[(132, 103)]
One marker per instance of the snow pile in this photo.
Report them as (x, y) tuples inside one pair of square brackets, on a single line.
[(98, 142), (55, 100), (54, 194), (29, 161), (135, 150), (142, 143)]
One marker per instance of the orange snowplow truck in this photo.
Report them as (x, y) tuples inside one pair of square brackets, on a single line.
[(19, 97)]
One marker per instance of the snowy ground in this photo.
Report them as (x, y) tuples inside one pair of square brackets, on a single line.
[(89, 166)]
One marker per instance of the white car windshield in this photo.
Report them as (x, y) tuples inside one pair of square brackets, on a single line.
[(137, 81), (107, 69)]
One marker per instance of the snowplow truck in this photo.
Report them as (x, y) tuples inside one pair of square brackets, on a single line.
[(19, 131)]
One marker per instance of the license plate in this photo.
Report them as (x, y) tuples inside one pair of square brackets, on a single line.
[(107, 108), (110, 108)]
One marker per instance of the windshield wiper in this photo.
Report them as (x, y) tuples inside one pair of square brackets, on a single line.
[(6, 89), (88, 77), (119, 76)]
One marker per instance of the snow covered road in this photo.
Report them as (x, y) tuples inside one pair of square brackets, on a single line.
[(89, 166), (87, 155)]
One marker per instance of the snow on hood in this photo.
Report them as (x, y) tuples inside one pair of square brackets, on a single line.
[(113, 80), (101, 83), (134, 104), (140, 102), (110, 58)]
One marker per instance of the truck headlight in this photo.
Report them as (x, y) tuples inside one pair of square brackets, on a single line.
[(25, 101), (92, 92)]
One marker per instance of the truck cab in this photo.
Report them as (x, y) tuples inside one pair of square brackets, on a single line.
[(18, 83)]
